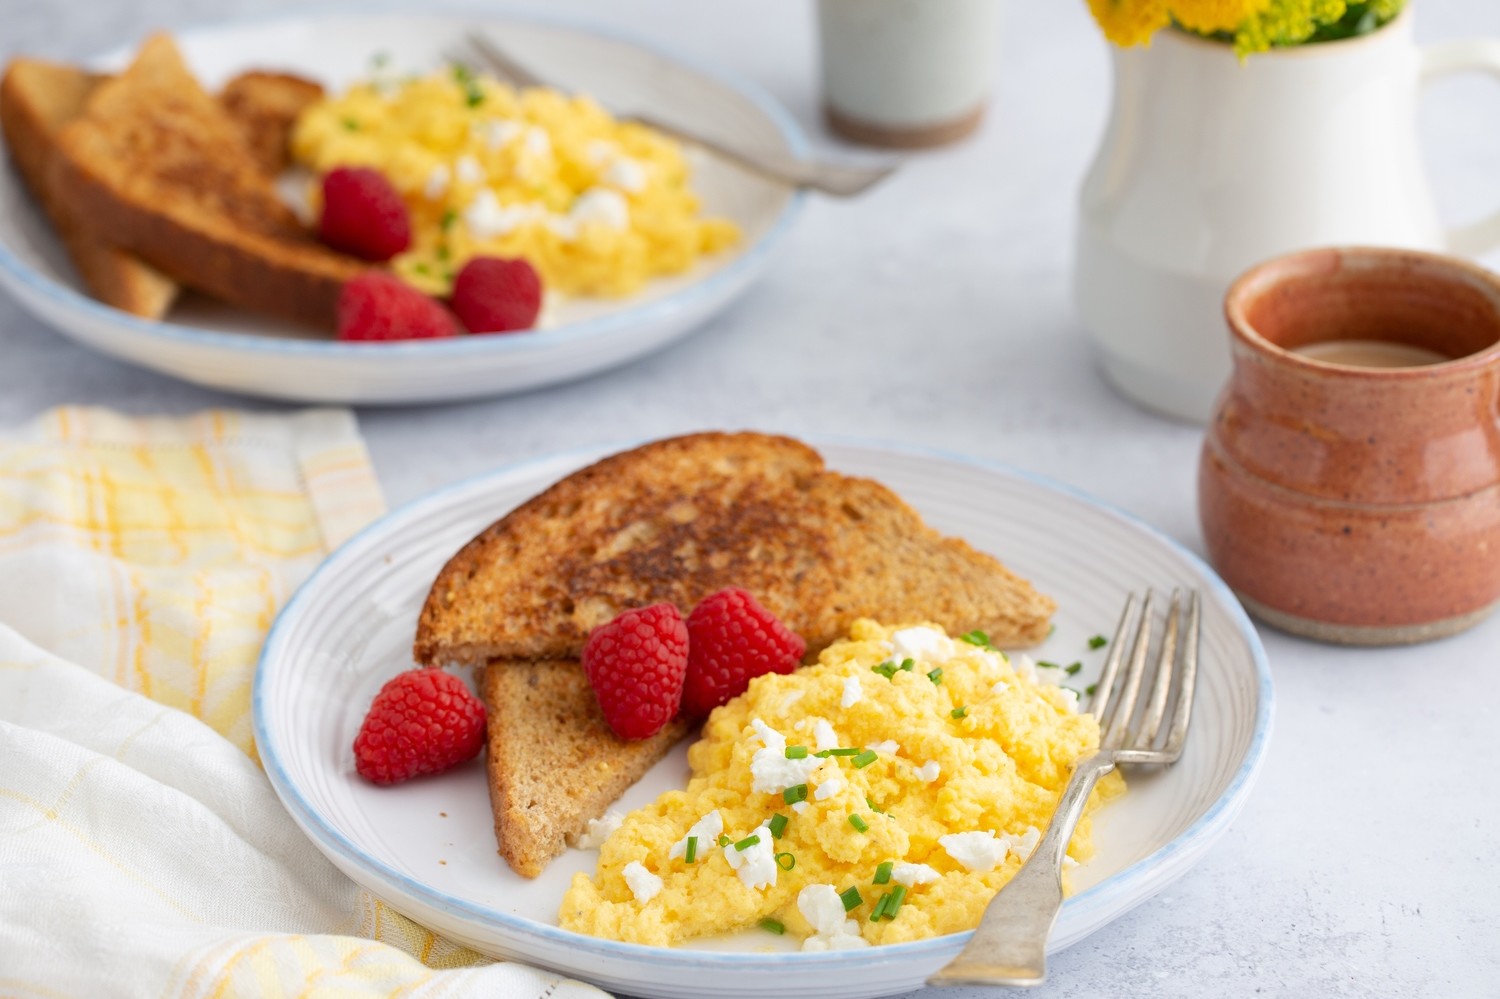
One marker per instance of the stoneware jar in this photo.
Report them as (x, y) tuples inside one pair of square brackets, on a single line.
[(1354, 504), (1211, 164)]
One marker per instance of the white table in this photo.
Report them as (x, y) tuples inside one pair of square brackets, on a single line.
[(936, 311)]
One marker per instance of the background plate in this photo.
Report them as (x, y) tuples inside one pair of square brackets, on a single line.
[(427, 848), (222, 347)]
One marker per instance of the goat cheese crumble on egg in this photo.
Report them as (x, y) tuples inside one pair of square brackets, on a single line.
[(852, 692), (828, 788), (924, 645), (599, 830), (822, 907), (913, 874), (771, 770), (706, 830), (980, 850), (755, 864), (642, 883), (929, 771), (825, 736)]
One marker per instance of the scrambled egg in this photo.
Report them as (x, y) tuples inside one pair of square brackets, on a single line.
[(597, 206), (943, 760)]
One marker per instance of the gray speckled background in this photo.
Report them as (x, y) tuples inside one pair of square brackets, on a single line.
[(935, 311)]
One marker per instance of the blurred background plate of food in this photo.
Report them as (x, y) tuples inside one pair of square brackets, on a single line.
[(637, 239)]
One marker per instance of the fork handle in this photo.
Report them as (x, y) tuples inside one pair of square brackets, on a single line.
[(1009, 947)]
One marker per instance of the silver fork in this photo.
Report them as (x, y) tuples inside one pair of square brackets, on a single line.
[(1010, 945), (839, 179)]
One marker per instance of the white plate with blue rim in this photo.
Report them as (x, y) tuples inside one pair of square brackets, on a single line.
[(222, 347), (427, 847)]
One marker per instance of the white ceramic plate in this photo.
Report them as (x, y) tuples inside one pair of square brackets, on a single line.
[(222, 347), (427, 847)]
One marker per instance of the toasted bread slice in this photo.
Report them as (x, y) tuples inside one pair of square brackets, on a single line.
[(36, 99), (553, 762), (159, 169), (676, 520), (264, 106)]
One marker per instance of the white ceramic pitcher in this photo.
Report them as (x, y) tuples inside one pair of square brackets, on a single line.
[(1210, 165)]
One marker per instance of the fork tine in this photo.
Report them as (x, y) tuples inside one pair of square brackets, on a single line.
[(1183, 712), (502, 63), (1144, 735), (1100, 701), (1131, 685)]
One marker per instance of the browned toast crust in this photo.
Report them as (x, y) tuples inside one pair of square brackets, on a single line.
[(678, 519), (36, 99), (264, 107), (553, 762), (158, 168)]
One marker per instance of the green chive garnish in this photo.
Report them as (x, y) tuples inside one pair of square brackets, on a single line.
[(747, 843), (975, 637), (1044, 664), (898, 895), (959, 712), (794, 794), (880, 907), (1098, 642), (796, 752), (474, 96), (449, 217), (1074, 668), (936, 675), (873, 807), (859, 823), (379, 59), (886, 669), (778, 825), (692, 849), (351, 125), (850, 897), (883, 873), (786, 861), (462, 73), (1075, 693), (723, 840), (864, 759), (845, 751), (422, 269), (908, 664), (772, 926), (1090, 689)]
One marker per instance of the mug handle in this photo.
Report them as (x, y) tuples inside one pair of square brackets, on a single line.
[(1466, 56)]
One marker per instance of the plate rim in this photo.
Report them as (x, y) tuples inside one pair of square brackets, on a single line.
[(1107, 894), (745, 264)]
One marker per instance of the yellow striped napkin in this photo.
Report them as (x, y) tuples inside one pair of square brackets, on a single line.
[(142, 850)]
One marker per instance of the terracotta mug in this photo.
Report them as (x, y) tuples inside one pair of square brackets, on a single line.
[(1348, 503)]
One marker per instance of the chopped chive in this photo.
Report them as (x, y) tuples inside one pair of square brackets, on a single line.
[(724, 840), (850, 897), (886, 669), (1091, 689), (772, 926), (880, 907), (1071, 690), (883, 873), (859, 823), (959, 712), (908, 664), (796, 752), (1044, 664), (1074, 668), (843, 751), (1098, 642), (823, 754), (462, 73), (474, 97), (380, 59), (935, 675), (873, 807), (351, 124), (747, 843), (778, 825), (786, 861), (864, 759), (794, 794), (692, 850), (449, 217), (976, 637), (422, 269), (898, 895)]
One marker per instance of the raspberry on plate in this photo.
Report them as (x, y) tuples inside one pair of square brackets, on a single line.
[(363, 214), (731, 640), (492, 295), (636, 664), (423, 721), (380, 306)]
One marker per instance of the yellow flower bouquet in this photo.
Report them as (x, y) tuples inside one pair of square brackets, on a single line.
[(1252, 25)]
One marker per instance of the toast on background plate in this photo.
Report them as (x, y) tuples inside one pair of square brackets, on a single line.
[(160, 169), (36, 100), (676, 520)]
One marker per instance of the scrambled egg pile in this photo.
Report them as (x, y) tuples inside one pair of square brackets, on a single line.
[(597, 206), (881, 795)]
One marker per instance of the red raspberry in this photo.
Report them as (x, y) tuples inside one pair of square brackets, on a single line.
[(380, 306), (492, 295), (363, 214), (733, 639), (635, 664), (423, 721)]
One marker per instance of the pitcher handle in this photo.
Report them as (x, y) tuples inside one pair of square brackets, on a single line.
[(1466, 56)]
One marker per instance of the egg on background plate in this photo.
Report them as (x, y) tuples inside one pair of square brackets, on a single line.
[(883, 794)]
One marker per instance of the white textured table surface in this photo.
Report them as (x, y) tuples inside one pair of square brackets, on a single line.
[(936, 311)]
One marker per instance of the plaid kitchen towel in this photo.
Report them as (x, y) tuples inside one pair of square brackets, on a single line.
[(142, 850)]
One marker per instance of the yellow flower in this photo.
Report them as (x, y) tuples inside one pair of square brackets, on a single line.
[(1131, 22), (1211, 16), (1285, 22)]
